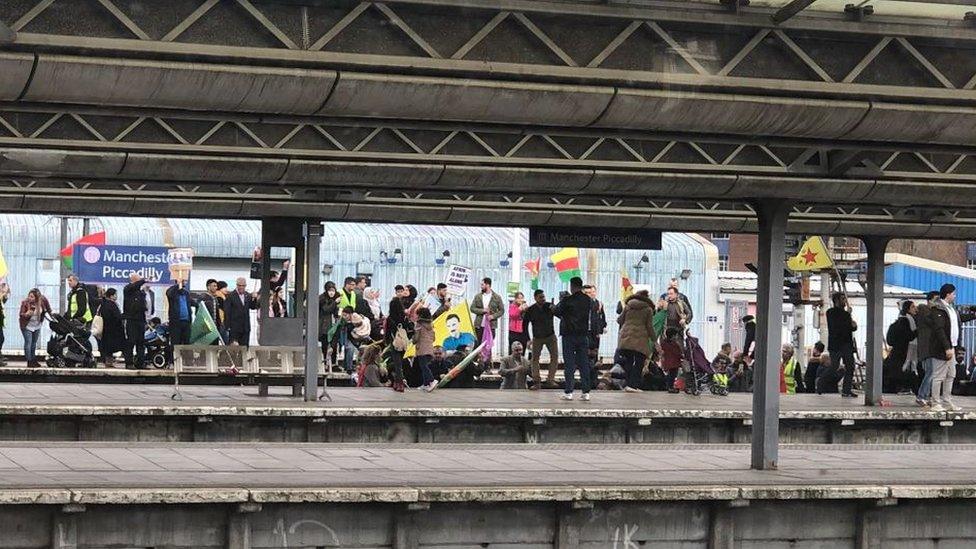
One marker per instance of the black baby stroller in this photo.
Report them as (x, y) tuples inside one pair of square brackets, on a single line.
[(70, 344), (699, 372)]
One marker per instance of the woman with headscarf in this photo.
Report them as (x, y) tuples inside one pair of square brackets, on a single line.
[(899, 366), (396, 321), (113, 330), (372, 296), (328, 328)]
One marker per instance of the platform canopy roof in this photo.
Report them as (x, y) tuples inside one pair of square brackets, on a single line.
[(637, 113)]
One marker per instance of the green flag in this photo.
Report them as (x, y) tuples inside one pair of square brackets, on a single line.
[(204, 329)]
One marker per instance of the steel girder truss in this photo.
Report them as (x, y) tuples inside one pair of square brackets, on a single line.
[(466, 144), (152, 198), (227, 136), (708, 48)]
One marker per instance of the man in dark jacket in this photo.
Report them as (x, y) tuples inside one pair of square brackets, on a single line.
[(945, 324), (573, 311), (134, 315), (598, 327), (180, 316), (539, 318), (924, 337), (840, 340), (237, 314)]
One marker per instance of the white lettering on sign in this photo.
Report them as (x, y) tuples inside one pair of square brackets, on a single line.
[(112, 256), (149, 273)]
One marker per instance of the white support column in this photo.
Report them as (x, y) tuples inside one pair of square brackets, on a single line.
[(769, 333)]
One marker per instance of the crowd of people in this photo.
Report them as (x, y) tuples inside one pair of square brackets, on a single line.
[(128, 327), (927, 357), (394, 344), (651, 353)]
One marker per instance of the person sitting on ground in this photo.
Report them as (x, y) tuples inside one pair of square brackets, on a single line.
[(356, 330), (790, 374), (652, 377), (721, 365), (370, 373), (465, 378), (828, 375), (740, 377), (439, 364), (514, 368), (813, 365)]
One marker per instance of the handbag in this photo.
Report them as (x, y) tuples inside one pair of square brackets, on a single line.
[(400, 340), (98, 324)]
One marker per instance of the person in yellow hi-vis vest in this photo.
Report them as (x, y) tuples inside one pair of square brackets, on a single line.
[(790, 373), (78, 306)]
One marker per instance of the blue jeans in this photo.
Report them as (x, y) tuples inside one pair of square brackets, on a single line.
[(348, 351), (925, 389), (30, 344), (575, 349), (423, 362)]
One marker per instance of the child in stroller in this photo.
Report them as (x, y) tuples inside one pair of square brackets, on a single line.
[(159, 351)]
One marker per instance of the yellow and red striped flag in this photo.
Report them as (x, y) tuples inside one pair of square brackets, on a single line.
[(567, 263)]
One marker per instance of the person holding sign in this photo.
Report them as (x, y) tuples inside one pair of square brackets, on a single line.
[(180, 318)]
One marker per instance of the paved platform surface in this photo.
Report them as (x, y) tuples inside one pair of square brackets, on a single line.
[(95, 399), (132, 473)]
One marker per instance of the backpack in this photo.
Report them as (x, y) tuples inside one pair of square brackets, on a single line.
[(400, 340)]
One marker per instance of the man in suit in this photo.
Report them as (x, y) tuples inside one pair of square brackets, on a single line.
[(237, 313)]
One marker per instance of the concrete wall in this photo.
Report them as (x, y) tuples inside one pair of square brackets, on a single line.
[(830, 429), (766, 524)]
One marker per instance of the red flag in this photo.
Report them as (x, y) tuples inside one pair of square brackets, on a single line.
[(67, 253)]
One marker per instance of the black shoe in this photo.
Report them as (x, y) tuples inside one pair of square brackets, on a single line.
[(848, 395)]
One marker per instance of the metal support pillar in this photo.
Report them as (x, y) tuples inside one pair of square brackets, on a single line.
[(63, 298), (876, 247), (769, 333), (313, 239)]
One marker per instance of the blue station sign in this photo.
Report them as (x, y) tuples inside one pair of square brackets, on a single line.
[(114, 264)]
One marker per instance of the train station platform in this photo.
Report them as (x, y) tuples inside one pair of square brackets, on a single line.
[(338, 495), (99, 412)]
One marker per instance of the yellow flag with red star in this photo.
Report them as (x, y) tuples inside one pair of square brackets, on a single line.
[(813, 256)]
